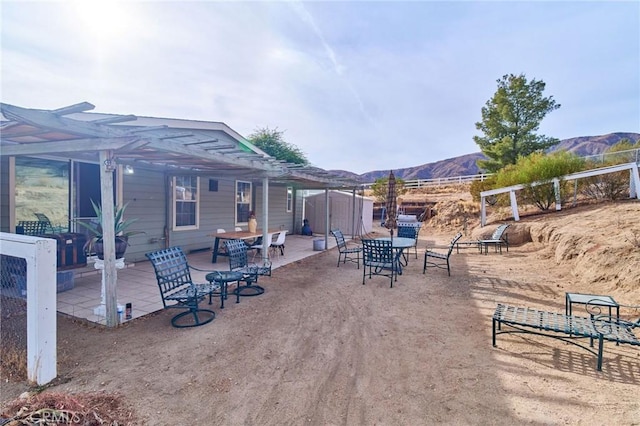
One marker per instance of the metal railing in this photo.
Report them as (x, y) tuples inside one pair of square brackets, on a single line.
[(620, 157)]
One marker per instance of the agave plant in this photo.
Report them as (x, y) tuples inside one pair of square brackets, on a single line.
[(94, 244)]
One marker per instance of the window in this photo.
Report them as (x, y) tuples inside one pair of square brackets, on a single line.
[(289, 199), (243, 202), (185, 203)]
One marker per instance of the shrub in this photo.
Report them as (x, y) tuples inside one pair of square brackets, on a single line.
[(537, 173), (611, 186)]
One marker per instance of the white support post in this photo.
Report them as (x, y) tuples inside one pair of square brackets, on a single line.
[(556, 193), (265, 217), (101, 309), (41, 312), (634, 184), (514, 205), (107, 166), (483, 211), (40, 256), (327, 216)]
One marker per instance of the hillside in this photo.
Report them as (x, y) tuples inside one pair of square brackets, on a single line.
[(466, 164)]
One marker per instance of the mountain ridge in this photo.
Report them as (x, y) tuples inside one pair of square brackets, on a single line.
[(466, 164)]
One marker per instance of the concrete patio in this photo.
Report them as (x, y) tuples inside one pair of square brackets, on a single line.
[(137, 282)]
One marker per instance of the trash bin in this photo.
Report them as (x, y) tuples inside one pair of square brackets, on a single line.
[(318, 244)]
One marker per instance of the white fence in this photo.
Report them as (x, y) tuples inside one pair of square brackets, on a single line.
[(621, 157), (40, 256)]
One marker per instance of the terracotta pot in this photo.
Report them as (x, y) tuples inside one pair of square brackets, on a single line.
[(121, 247)]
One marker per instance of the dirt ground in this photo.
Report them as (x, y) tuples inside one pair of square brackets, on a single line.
[(320, 348)]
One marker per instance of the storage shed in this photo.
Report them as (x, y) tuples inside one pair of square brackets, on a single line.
[(349, 212)]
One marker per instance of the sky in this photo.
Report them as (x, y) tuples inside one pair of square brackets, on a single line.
[(357, 86)]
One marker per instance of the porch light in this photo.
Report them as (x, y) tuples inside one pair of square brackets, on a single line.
[(128, 169)]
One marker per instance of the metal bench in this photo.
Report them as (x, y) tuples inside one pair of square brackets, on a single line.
[(178, 290), (568, 327)]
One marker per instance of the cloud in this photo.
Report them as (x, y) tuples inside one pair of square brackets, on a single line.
[(357, 86)]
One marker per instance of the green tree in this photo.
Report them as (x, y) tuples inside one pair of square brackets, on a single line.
[(380, 187), (272, 142), (509, 122)]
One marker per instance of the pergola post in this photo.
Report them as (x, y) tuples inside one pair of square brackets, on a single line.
[(107, 166), (265, 218)]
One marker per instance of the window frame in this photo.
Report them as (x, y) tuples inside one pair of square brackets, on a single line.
[(289, 206), (236, 202), (175, 201)]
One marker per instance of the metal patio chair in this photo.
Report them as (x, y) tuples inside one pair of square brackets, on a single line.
[(32, 227), (178, 290), (238, 263), (409, 231), (439, 259), (346, 253), (379, 258)]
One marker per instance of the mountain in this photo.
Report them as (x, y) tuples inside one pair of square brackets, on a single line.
[(466, 164)]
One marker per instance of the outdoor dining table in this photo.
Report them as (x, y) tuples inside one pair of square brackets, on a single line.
[(236, 235), (398, 244)]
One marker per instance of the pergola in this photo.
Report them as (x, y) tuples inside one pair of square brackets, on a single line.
[(106, 139)]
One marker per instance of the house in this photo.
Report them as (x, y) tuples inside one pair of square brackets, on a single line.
[(182, 179)]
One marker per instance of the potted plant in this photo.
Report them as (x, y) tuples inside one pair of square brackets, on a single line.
[(94, 243)]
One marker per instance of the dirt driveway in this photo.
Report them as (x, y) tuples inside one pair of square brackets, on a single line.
[(320, 348)]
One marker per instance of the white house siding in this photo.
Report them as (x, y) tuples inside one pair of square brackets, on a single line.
[(144, 191), (217, 210), (149, 197), (279, 218)]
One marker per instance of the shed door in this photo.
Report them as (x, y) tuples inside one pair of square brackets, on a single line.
[(340, 213)]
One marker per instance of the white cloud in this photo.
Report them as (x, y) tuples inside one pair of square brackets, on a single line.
[(357, 86)]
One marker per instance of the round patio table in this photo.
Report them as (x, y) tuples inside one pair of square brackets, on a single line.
[(224, 278)]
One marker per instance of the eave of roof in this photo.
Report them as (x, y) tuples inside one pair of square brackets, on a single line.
[(170, 144)]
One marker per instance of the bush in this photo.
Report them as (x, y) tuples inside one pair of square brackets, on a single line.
[(611, 186), (540, 169)]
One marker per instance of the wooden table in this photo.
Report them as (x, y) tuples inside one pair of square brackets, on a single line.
[(237, 235)]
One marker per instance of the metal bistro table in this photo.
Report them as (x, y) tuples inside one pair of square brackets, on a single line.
[(590, 299), (399, 244), (237, 235)]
